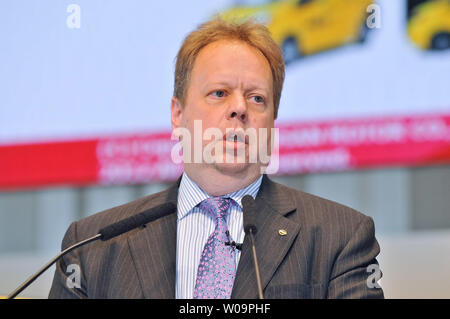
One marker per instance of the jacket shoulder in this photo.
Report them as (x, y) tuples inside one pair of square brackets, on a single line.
[(317, 210), (89, 226), (329, 225)]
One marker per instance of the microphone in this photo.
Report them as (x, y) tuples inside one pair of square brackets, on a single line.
[(232, 243), (249, 210), (105, 234), (249, 214), (135, 221)]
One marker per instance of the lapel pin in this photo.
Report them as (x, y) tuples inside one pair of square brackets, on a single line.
[(282, 232)]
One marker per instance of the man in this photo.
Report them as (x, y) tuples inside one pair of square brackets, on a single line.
[(228, 76)]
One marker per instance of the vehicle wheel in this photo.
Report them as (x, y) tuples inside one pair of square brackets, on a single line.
[(290, 50), (363, 32), (440, 41)]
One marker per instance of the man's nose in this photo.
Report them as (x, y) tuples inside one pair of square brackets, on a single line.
[(238, 108)]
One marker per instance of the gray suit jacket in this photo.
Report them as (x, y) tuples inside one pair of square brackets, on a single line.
[(325, 253)]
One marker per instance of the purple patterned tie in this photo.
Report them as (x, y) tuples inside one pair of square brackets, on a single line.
[(216, 271)]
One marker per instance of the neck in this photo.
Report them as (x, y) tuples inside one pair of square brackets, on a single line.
[(217, 183)]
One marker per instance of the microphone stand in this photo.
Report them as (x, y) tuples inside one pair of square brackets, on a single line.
[(30, 280), (255, 260), (104, 234)]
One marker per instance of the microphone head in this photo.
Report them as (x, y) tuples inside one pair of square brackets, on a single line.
[(137, 220), (249, 214)]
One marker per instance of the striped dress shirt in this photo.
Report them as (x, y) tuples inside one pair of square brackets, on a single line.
[(194, 227)]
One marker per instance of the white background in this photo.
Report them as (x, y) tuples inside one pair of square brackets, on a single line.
[(115, 74)]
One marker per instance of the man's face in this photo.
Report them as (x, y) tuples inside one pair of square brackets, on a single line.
[(230, 88)]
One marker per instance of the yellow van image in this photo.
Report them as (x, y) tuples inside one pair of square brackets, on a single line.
[(305, 27), (429, 25)]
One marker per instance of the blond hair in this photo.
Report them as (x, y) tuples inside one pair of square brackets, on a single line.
[(250, 32)]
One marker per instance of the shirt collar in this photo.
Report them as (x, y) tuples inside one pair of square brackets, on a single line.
[(190, 194)]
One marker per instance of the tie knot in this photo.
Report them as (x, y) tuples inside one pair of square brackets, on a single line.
[(216, 207)]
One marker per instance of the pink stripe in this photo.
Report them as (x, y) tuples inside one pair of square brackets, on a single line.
[(304, 147)]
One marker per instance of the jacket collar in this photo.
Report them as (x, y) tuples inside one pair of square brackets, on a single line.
[(274, 202), (153, 249)]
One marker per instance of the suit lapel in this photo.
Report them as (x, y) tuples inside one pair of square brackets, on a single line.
[(153, 250), (271, 247)]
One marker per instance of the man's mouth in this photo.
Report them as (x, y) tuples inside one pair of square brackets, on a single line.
[(236, 137)]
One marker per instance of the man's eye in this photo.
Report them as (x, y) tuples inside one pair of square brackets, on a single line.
[(258, 99), (219, 93)]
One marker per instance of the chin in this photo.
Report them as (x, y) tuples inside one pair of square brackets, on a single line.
[(235, 168)]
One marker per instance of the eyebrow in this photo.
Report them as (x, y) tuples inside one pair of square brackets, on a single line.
[(250, 87)]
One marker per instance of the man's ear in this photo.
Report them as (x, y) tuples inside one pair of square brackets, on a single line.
[(176, 112)]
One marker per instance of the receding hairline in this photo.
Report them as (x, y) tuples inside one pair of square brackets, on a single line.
[(250, 32), (221, 42)]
